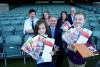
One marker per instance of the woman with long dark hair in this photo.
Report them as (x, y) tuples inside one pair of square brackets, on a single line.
[(46, 16), (63, 18)]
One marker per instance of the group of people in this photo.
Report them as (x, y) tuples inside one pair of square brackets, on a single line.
[(51, 26)]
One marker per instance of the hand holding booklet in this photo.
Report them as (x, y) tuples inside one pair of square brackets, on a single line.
[(65, 26), (31, 48), (34, 47), (73, 36), (78, 39), (86, 50)]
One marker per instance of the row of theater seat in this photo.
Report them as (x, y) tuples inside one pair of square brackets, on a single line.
[(11, 27)]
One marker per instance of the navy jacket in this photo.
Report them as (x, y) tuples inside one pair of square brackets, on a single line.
[(70, 19), (57, 37)]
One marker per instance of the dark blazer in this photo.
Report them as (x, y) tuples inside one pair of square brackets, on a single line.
[(57, 37), (70, 19), (60, 22)]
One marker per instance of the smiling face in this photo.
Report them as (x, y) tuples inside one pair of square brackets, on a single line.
[(46, 15), (42, 29), (64, 16), (79, 20), (52, 21)]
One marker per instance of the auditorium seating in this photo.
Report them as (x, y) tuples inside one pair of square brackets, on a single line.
[(11, 24), (11, 47), (1, 44), (7, 30)]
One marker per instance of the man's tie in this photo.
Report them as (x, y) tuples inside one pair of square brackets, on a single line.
[(52, 32), (32, 25)]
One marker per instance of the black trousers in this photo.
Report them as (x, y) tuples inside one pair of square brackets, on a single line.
[(58, 59), (46, 64)]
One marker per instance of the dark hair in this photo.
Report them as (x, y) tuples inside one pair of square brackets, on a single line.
[(37, 26), (81, 13), (45, 12), (32, 10), (66, 15), (60, 20)]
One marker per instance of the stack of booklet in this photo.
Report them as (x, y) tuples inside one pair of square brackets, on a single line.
[(35, 48), (86, 50), (79, 39), (72, 36)]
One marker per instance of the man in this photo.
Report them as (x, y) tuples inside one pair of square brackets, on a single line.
[(30, 23), (56, 33), (71, 17)]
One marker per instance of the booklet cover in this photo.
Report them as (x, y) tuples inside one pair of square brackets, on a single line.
[(85, 35), (73, 36), (37, 49), (47, 49), (66, 25), (79, 40), (86, 50), (31, 48)]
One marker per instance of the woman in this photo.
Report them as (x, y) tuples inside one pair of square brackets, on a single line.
[(46, 16), (63, 18)]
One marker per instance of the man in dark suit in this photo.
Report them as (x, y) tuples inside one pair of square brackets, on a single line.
[(71, 16), (56, 33)]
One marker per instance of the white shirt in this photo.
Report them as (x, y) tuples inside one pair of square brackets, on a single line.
[(28, 24)]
